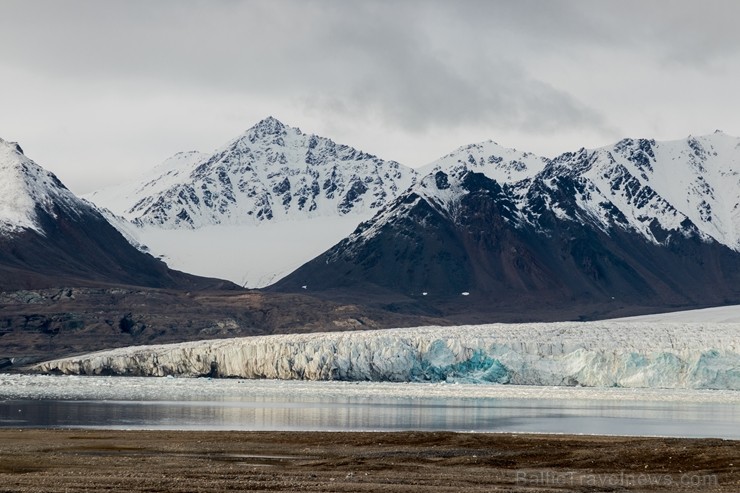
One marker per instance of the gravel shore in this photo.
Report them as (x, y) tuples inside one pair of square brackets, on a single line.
[(196, 461)]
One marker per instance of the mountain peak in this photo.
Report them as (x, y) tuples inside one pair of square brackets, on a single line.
[(11, 146), (49, 236), (26, 188), (268, 126), (499, 163), (271, 172)]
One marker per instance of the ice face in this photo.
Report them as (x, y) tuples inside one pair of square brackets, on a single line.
[(598, 354)]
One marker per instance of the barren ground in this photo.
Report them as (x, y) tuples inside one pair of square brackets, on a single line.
[(183, 461)]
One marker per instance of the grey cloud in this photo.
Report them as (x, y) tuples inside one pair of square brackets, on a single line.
[(695, 34), (430, 96), (397, 60), (420, 71), (264, 44), (685, 31)]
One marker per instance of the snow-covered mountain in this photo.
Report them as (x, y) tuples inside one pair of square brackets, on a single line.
[(637, 184), (258, 207), (50, 237), (657, 187), (274, 198), (27, 190), (120, 198), (595, 354), (636, 222), (489, 158), (271, 172)]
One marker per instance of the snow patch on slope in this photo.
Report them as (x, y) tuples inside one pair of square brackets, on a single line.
[(718, 314)]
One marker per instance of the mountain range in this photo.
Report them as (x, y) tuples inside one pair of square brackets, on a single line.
[(639, 222), (272, 172), (272, 199), (483, 229)]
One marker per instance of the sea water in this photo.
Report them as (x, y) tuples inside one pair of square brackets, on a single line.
[(219, 404)]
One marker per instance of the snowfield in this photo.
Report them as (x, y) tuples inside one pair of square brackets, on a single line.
[(717, 314), (592, 354)]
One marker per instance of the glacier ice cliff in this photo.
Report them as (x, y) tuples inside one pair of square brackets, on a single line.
[(598, 354)]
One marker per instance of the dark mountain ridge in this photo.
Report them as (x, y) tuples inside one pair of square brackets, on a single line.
[(466, 242), (51, 238)]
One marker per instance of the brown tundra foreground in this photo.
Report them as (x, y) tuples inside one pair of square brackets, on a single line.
[(198, 461)]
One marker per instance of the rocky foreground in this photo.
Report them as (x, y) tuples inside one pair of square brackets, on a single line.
[(105, 460)]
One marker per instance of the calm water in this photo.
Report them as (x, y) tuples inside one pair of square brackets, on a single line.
[(318, 406)]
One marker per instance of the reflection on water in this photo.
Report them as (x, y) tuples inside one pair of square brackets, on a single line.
[(352, 414)]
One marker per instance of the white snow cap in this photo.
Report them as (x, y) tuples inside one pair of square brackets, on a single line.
[(24, 186), (16, 202)]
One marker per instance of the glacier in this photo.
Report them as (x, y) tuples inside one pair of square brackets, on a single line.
[(591, 354)]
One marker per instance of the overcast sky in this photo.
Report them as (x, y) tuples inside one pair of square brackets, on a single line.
[(100, 91)]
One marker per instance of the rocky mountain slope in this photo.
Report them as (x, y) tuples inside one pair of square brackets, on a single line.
[(49, 237), (661, 185), (639, 222)]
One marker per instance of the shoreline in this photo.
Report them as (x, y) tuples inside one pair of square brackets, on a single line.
[(92, 460), (542, 434)]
